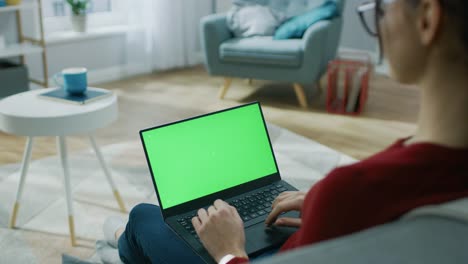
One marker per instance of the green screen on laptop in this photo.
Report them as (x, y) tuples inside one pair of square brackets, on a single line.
[(201, 156)]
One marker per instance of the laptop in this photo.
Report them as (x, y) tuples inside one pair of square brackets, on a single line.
[(222, 155)]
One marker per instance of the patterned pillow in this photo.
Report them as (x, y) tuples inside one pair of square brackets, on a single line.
[(252, 20)]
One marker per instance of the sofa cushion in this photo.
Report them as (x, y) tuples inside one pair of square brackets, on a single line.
[(263, 51), (251, 20)]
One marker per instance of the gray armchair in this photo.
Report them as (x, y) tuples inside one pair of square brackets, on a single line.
[(299, 61), (427, 235)]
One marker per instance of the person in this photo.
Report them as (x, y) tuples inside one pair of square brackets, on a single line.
[(426, 44)]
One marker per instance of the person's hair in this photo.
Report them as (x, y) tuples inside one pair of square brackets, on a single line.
[(456, 11)]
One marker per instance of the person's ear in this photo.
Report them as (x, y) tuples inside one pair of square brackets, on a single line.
[(429, 20)]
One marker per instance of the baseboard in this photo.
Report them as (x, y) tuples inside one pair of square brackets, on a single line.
[(373, 55)]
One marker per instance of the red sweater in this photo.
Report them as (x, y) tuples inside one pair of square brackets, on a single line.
[(380, 189)]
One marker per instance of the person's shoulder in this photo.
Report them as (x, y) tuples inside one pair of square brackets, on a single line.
[(340, 182), (344, 176), (358, 178)]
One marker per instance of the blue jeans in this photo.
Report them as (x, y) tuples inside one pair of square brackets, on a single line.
[(147, 239)]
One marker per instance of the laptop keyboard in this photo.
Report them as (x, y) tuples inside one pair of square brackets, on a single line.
[(252, 208)]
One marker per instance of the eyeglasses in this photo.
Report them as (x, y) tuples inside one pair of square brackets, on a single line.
[(370, 13)]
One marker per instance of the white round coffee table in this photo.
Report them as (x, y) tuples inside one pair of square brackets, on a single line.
[(27, 114)]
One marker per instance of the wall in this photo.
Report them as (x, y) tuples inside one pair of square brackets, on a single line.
[(7, 27), (104, 56), (354, 35), (99, 55)]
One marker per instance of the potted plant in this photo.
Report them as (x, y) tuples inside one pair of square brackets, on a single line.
[(78, 18), (12, 2)]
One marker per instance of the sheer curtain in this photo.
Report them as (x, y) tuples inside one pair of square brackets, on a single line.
[(164, 34)]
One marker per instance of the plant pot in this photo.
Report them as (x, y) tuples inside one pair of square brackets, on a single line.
[(13, 2), (79, 23)]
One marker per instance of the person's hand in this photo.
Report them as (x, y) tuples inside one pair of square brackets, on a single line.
[(285, 202), (221, 230)]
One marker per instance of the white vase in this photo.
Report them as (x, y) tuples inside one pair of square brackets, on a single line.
[(79, 23)]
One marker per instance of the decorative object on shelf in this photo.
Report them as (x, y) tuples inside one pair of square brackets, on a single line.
[(79, 17), (13, 2)]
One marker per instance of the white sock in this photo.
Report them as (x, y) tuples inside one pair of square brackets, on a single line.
[(107, 253), (111, 225)]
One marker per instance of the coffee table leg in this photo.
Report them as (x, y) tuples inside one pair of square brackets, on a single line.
[(24, 171), (62, 148), (107, 173)]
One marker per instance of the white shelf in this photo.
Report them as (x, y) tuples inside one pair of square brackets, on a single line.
[(27, 5), (72, 36), (19, 49)]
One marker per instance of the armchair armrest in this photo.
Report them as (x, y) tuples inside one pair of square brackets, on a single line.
[(213, 32), (320, 42), (315, 34), (428, 240)]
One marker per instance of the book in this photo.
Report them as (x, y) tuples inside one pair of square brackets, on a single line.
[(62, 96), (352, 105), (341, 84)]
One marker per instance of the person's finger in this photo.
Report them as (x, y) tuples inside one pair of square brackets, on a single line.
[(278, 200), (202, 215), (233, 209), (284, 206), (288, 221), (276, 210), (220, 203), (281, 197), (211, 210), (196, 223)]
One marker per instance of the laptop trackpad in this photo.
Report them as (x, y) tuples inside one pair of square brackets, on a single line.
[(259, 238)]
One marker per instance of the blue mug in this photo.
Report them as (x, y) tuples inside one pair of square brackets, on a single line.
[(75, 80)]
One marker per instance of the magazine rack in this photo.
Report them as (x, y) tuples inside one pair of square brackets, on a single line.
[(348, 83)]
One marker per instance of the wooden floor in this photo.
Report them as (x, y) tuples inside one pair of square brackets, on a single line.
[(390, 113), (148, 100)]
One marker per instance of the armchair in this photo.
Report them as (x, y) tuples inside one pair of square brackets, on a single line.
[(426, 235), (298, 61)]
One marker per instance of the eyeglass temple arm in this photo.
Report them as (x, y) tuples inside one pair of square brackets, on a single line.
[(366, 7)]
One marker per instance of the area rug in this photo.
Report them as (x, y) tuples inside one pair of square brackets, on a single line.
[(301, 161)]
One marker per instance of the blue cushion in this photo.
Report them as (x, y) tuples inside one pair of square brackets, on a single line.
[(297, 26)]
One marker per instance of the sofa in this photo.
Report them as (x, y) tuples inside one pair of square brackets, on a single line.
[(427, 235), (297, 61)]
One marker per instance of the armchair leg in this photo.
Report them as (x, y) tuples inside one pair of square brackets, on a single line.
[(301, 96), (225, 87)]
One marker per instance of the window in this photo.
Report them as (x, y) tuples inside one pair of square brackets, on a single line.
[(101, 13), (55, 8)]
